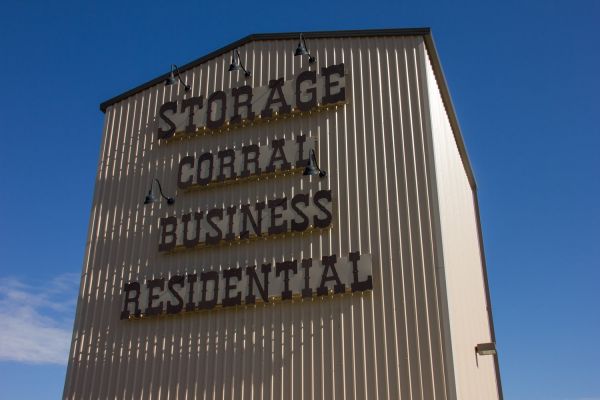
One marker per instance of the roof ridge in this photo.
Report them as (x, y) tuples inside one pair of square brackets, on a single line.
[(268, 36)]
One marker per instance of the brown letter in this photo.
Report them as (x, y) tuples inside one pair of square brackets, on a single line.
[(304, 77), (302, 162), (300, 226), (274, 229), (169, 106), (151, 284), (205, 181), (191, 103), (185, 219), (191, 306), (172, 233), (276, 86), (328, 97), (325, 221), (307, 291), (230, 155), (128, 288), (236, 300), (253, 278), (246, 151), (216, 96), (329, 263), (231, 211), (357, 285), (236, 118), (278, 154), (286, 267), (205, 304), (181, 184), (175, 280), (212, 214), (256, 223)]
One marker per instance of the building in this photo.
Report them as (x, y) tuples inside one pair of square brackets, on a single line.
[(311, 231)]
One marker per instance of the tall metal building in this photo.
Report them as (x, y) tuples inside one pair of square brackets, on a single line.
[(288, 217)]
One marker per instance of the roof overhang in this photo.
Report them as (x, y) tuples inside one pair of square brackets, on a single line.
[(426, 32)]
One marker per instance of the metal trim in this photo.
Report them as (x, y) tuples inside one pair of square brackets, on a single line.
[(263, 37), (447, 99), (440, 265), (487, 293)]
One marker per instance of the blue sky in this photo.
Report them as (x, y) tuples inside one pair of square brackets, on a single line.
[(524, 80)]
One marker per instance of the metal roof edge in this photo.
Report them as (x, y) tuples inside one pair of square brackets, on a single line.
[(447, 99), (268, 36)]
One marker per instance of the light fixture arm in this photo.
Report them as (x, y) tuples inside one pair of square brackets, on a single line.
[(159, 188), (304, 41), (150, 197), (311, 59), (246, 73), (176, 69)]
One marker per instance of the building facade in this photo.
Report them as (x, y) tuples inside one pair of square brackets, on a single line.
[(306, 230)]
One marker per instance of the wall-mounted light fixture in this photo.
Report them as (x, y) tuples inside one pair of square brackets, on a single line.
[(236, 63), (174, 75), (486, 349), (313, 168), (302, 50), (150, 196)]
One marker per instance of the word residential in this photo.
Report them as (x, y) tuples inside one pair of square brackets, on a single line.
[(234, 286)]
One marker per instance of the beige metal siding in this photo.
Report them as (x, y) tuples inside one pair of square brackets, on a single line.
[(386, 344), (466, 296)]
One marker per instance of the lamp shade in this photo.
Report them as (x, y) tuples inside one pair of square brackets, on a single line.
[(313, 168), (171, 79), (300, 50), (310, 169), (149, 198)]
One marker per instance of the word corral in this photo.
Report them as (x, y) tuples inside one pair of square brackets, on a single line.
[(236, 286), (305, 92), (251, 160)]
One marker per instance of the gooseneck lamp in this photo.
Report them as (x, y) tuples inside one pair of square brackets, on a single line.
[(236, 63), (174, 75), (313, 168), (150, 196), (302, 50)]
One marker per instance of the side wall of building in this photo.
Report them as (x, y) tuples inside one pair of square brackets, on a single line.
[(461, 264)]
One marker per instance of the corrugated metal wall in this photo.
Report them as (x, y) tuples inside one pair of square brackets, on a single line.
[(386, 344), (469, 324)]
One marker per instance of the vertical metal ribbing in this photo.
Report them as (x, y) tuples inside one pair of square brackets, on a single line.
[(391, 204), (381, 345), (435, 348), (447, 387), (397, 173), (76, 340), (90, 345)]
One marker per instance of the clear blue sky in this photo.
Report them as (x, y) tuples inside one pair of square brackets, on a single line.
[(524, 80)]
